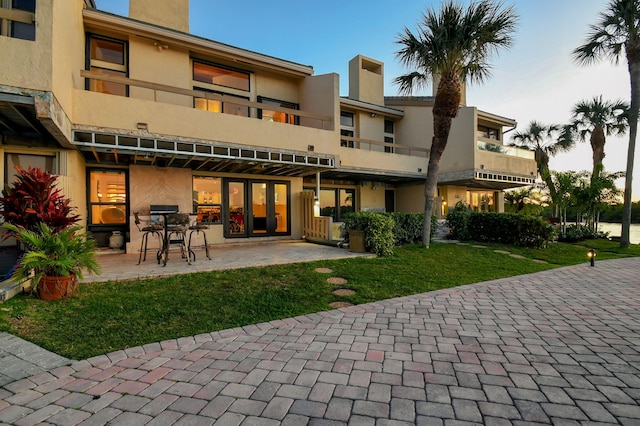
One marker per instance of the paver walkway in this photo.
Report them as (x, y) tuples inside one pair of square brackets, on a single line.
[(556, 347)]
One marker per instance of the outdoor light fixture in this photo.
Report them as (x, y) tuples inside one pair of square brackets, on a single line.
[(591, 254)]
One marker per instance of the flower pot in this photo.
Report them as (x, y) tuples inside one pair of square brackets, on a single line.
[(54, 288)]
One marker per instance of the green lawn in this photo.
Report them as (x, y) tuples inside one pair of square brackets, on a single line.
[(109, 316)]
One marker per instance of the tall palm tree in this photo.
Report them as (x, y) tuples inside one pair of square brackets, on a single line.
[(598, 119), (545, 141), (452, 44), (618, 33)]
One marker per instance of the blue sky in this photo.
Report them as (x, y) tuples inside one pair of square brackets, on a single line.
[(534, 80)]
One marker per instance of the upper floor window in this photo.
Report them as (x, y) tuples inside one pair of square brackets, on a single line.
[(278, 116), (226, 105), (489, 133), (347, 128), (221, 76), (389, 134), (107, 56), (17, 19)]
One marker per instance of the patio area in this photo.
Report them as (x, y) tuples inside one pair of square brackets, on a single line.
[(119, 266)]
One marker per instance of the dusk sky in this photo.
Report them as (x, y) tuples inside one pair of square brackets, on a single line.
[(536, 79)]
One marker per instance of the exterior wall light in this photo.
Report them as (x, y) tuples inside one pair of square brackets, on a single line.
[(591, 254)]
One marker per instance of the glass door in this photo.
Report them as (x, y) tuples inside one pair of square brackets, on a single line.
[(256, 208)]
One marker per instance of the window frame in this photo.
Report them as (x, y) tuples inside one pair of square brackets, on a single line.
[(347, 130), (10, 15), (230, 95), (223, 67), (209, 205), (10, 178), (281, 104), (90, 63), (389, 137)]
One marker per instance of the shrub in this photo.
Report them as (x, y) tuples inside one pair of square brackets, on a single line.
[(378, 228), (505, 228), (575, 233), (408, 227)]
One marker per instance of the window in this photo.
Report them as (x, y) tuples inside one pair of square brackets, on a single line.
[(389, 136), (109, 57), (347, 128), (337, 202), (220, 76), (45, 163), (17, 19), (278, 116), (107, 197), (207, 199), (488, 132), (226, 106)]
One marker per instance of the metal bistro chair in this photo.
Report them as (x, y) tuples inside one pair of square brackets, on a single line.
[(151, 228), (177, 227), (197, 227)]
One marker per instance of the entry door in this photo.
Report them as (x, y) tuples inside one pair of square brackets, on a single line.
[(269, 208), (256, 208)]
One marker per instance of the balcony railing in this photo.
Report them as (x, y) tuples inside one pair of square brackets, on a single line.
[(368, 144), (307, 119), (506, 150)]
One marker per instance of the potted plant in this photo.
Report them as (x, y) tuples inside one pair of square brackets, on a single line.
[(55, 259)]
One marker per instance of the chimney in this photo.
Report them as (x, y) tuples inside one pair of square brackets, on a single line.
[(172, 14)]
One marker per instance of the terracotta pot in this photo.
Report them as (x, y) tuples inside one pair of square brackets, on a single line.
[(54, 288)]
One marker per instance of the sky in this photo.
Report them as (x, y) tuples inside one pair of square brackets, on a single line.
[(535, 79)]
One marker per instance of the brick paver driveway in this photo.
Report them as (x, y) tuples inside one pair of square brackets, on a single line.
[(559, 347)]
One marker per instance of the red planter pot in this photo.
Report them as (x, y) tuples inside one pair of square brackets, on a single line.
[(54, 288)]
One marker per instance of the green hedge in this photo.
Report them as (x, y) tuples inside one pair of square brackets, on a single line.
[(506, 228), (383, 231)]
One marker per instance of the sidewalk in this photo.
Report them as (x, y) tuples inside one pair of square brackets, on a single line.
[(556, 347)]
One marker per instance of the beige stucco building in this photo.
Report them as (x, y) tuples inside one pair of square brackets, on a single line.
[(135, 111)]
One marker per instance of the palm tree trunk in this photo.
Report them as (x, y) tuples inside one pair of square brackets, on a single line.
[(597, 146), (445, 109), (633, 58)]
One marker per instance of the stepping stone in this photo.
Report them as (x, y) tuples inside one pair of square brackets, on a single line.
[(343, 292), (336, 280), (323, 270), (338, 305), (478, 246), (501, 251), (540, 261), (517, 256)]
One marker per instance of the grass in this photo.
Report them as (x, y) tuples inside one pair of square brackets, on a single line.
[(109, 316)]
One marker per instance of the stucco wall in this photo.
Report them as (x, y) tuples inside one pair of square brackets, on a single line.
[(28, 64)]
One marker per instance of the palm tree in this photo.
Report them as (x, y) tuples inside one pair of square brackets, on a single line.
[(545, 141), (598, 119), (618, 31), (451, 45)]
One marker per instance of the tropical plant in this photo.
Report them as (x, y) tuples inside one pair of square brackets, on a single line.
[(34, 198), (617, 33), (451, 46), (597, 119), (545, 141), (55, 253), (523, 201), (565, 184)]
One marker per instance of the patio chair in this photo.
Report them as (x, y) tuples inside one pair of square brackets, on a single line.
[(197, 227), (177, 227), (150, 228)]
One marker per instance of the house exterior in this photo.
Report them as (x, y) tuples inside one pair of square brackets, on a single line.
[(135, 111)]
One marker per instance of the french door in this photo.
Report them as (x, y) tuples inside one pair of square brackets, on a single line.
[(256, 208)]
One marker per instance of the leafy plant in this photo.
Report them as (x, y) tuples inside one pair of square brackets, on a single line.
[(53, 252), (34, 198), (378, 227)]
